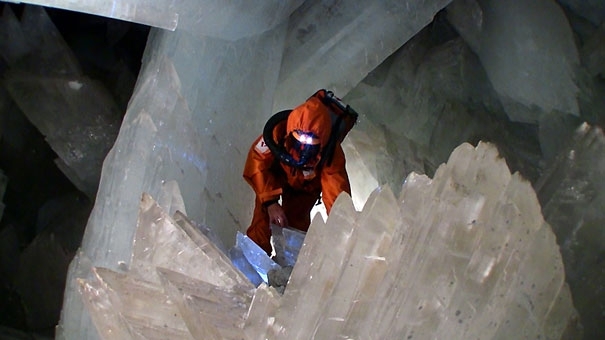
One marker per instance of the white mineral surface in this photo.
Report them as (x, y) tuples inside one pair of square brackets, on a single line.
[(464, 255)]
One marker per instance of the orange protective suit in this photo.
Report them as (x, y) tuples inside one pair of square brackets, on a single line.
[(270, 178)]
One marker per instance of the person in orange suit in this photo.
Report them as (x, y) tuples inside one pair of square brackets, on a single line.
[(292, 161)]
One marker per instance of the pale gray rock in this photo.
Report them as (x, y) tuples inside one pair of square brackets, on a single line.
[(256, 256), (571, 191), (42, 266), (593, 10), (13, 41), (43, 51), (79, 118), (286, 245), (3, 183)]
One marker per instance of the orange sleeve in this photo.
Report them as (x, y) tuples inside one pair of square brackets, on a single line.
[(334, 179), (257, 172)]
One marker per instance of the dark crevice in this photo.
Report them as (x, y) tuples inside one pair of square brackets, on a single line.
[(44, 211)]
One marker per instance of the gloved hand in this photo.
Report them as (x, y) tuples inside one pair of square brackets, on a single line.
[(277, 215)]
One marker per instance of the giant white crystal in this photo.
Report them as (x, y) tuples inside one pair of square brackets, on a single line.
[(336, 44), (464, 255)]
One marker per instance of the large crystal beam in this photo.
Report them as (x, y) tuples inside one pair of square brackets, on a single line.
[(336, 44), (157, 13), (233, 20), (464, 255), (364, 269), (219, 261), (179, 126)]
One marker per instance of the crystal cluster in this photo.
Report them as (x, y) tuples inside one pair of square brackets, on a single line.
[(465, 255)]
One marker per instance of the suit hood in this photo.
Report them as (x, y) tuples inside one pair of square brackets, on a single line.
[(311, 116)]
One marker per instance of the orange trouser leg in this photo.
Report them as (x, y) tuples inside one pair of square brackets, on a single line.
[(259, 230), (297, 206)]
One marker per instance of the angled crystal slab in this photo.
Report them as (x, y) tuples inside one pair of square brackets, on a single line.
[(207, 232), (210, 312), (121, 306), (230, 21), (233, 20), (132, 295), (160, 242), (236, 255), (219, 262), (367, 161), (46, 53)]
